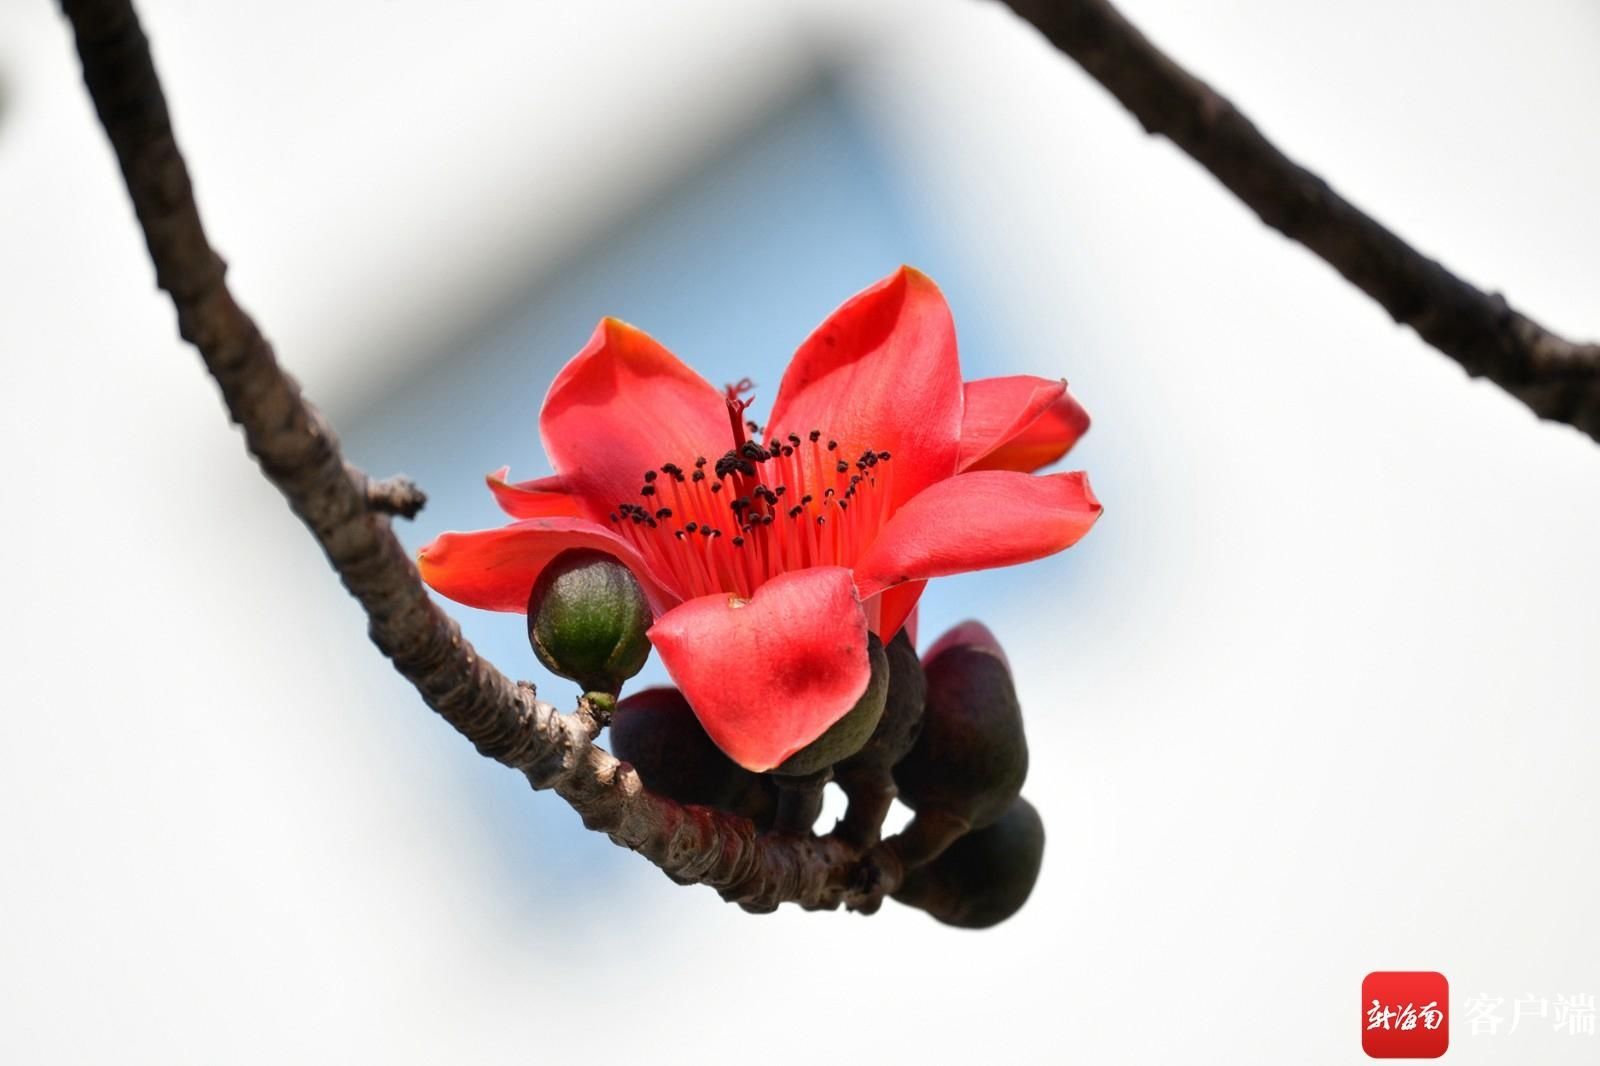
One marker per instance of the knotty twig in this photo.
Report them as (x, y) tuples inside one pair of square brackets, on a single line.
[(392, 495), (1558, 379), (298, 452)]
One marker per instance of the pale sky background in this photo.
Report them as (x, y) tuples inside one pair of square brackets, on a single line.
[(1316, 697)]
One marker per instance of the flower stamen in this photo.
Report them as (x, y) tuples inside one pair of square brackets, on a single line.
[(760, 510)]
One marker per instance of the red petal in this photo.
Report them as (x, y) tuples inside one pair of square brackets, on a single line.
[(545, 497), (977, 521), (622, 406), (968, 634), (768, 675), (495, 568), (1018, 423), (896, 607), (882, 373)]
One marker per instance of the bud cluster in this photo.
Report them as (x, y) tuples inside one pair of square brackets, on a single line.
[(944, 733)]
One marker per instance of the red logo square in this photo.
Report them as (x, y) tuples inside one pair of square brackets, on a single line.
[(1405, 1014)]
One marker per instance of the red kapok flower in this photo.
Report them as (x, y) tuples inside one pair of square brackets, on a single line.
[(768, 559)]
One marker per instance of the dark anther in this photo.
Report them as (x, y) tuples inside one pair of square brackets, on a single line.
[(716, 486), (649, 475), (699, 475), (665, 512), (832, 444), (706, 531), (648, 490), (692, 526), (794, 512), (844, 505), (841, 466), (651, 522), (670, 468), (827, 494), (822, 520), (884, 456), (699, 462), (794, 438), (754, 452), (787, 451), (678, 533), (738, 542), (815, 435), (779, 491)]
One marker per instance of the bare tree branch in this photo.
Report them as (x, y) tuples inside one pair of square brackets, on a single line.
[(1558, 379), (348, 512), (298, 452)]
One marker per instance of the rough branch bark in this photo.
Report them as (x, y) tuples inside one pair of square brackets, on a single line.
[(1558, 379), (348, 515)]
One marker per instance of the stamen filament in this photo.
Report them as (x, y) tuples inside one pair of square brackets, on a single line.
[(760, 510)]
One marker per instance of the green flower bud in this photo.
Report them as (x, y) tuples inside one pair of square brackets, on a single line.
[(656, 731), (846, 736), (587, 618), (902, 710), (986, 876), (972, 756)]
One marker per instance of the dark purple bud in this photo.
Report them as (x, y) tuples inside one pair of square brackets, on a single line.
[(656, 730), (972, 755), (986, 876)]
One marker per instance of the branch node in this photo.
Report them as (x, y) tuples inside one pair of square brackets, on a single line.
[(394, 496)]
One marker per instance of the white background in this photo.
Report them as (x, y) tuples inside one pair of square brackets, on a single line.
[(1322, 700)]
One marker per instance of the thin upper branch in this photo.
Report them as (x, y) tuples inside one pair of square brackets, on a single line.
[(298, 452), (1558, 379)]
